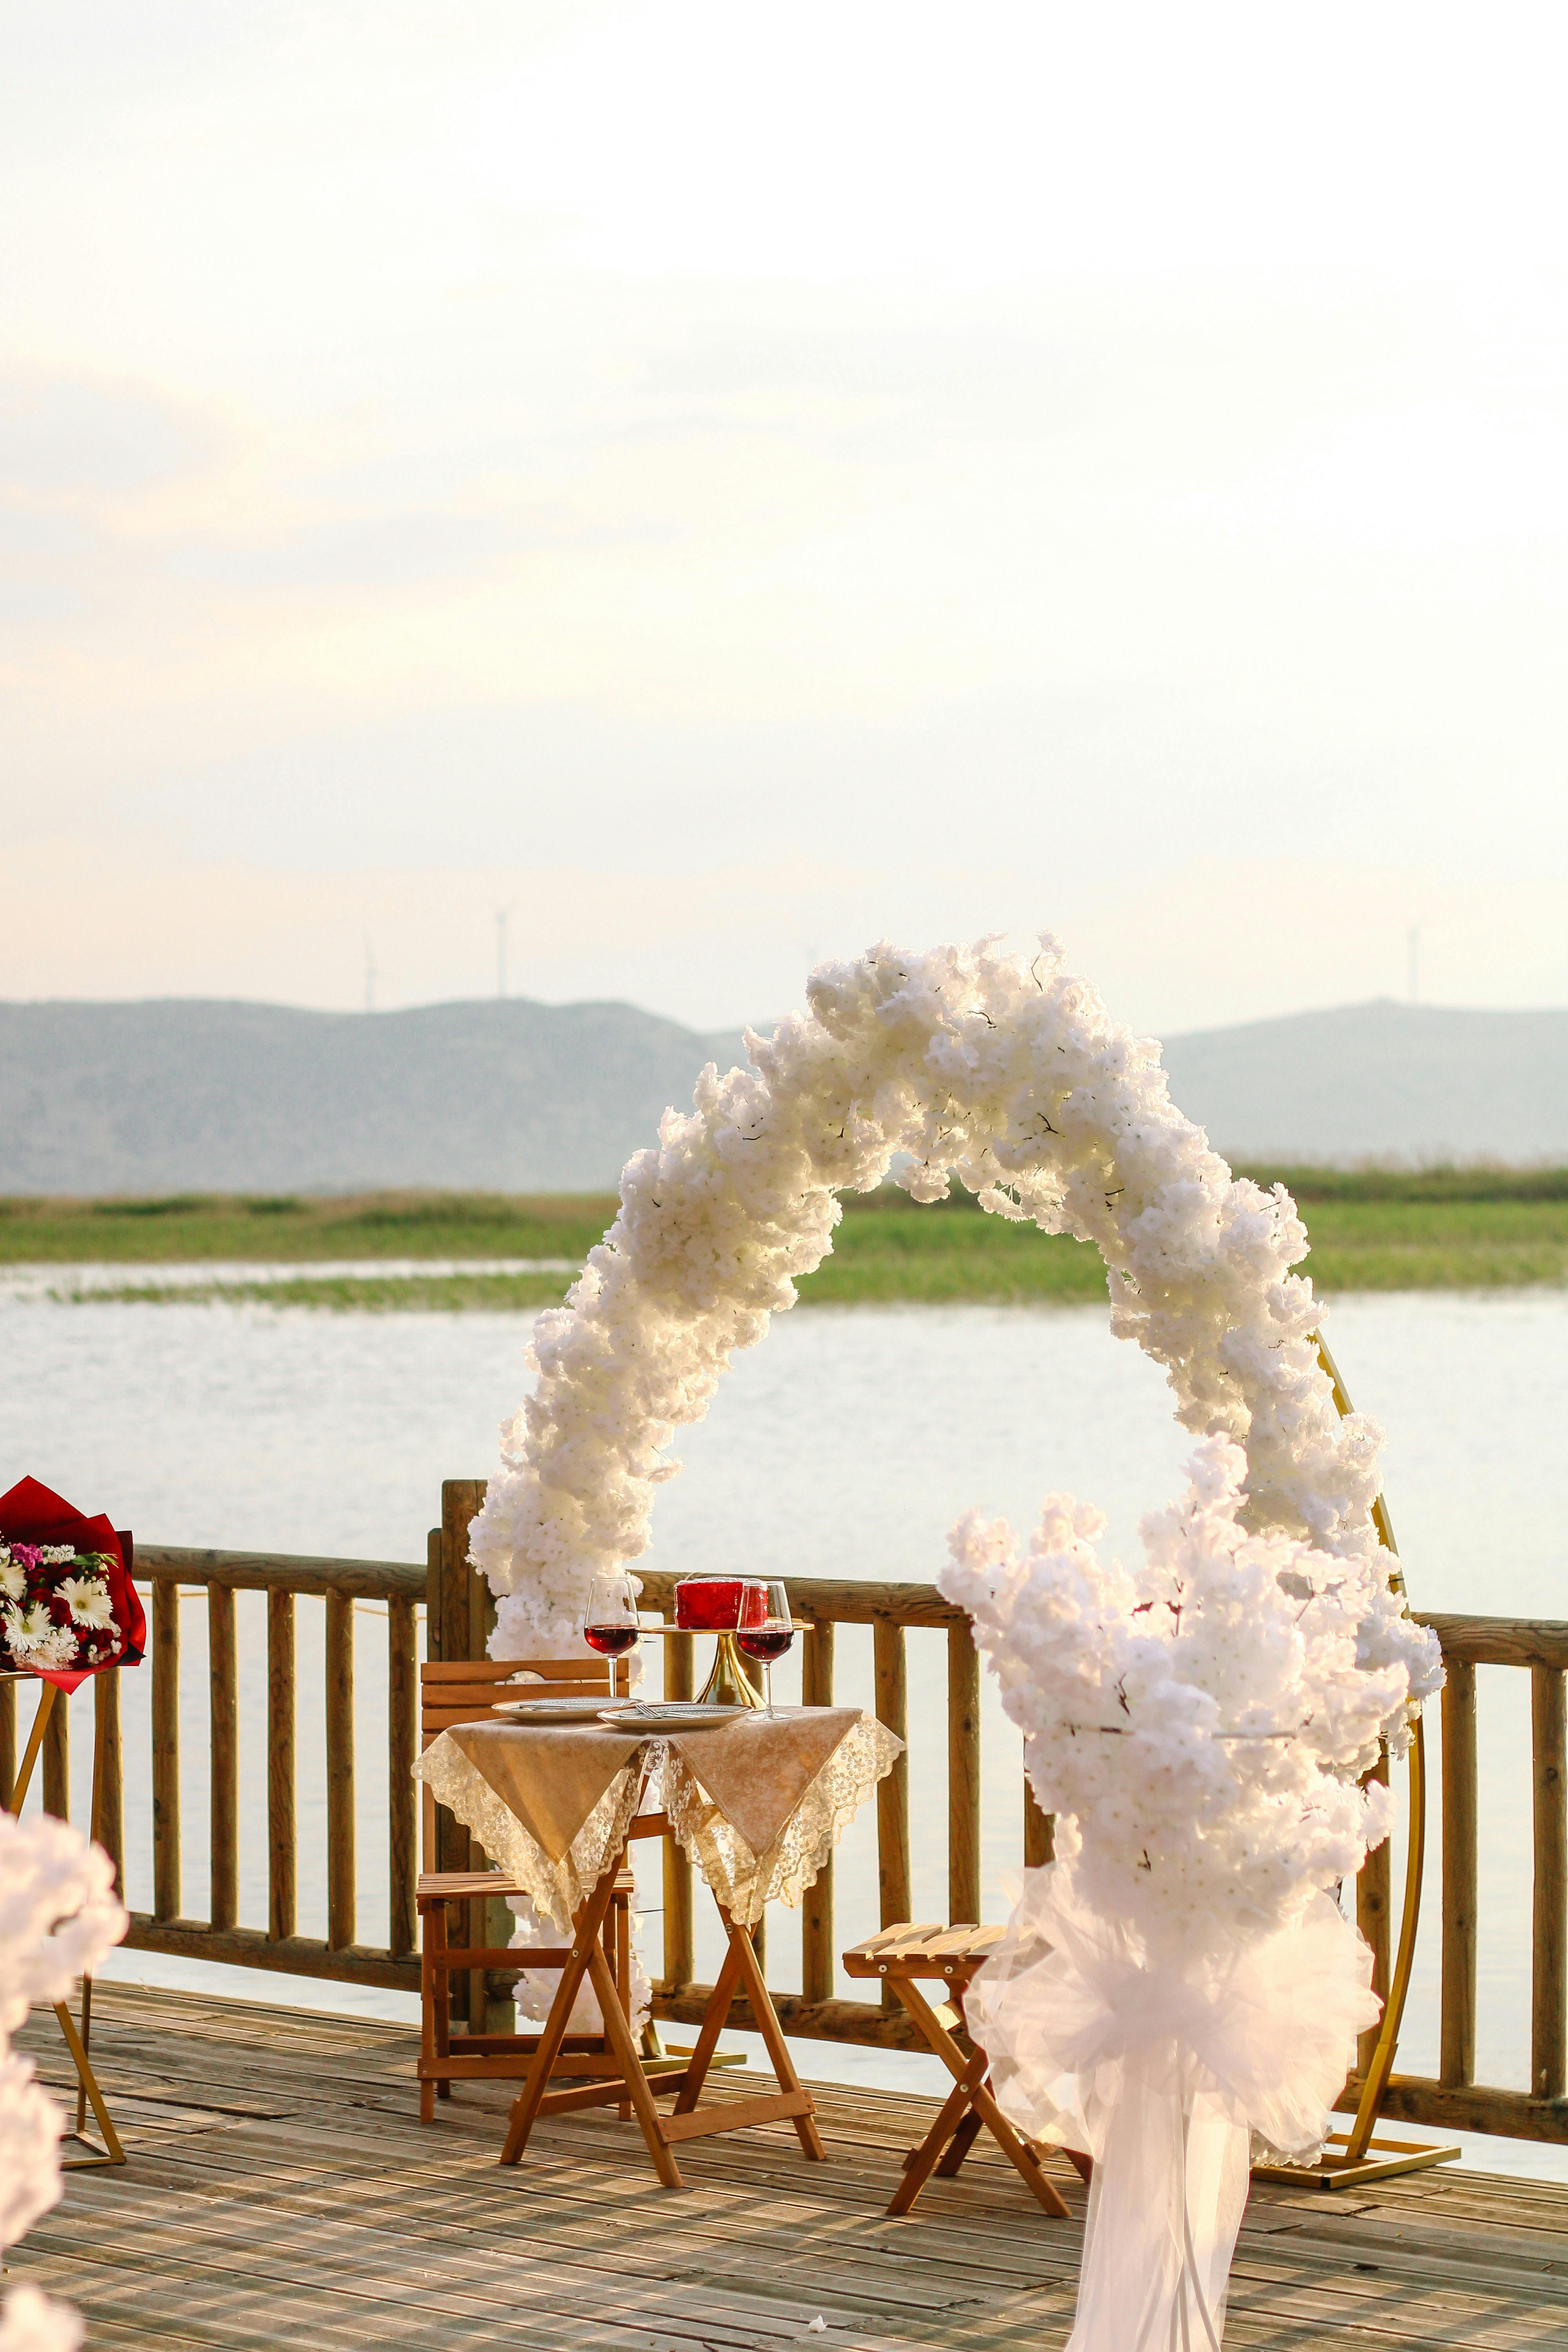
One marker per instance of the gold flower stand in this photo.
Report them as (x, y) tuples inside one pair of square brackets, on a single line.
[(1355, 2157), (93, 2153)]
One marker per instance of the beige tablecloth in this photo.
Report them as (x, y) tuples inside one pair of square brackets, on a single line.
[(757, 1804)]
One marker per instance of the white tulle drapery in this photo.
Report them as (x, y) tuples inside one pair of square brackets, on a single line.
[(1172, 2070)]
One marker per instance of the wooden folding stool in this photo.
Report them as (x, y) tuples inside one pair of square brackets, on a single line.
[(902, 1955)]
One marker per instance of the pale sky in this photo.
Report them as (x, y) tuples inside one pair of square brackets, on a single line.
[(731, 483)]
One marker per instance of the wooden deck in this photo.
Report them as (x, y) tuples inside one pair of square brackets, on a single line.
[(280, 2191)]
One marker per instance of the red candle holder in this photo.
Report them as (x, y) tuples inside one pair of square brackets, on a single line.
[(721, 1606), (718, 1604)]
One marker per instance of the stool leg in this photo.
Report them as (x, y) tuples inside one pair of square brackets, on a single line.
[(963, 2139), (621, 1964), (971, 2079), (442, 2002), (427, 2019), (952, 2115)]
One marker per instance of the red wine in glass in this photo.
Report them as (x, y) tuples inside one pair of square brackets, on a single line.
[(769, 1640), (611, 1616), (765, 1642), (611, 1641)]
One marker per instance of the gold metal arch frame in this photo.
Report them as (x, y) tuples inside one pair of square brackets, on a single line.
[(1355, 2155), (92, 2153)]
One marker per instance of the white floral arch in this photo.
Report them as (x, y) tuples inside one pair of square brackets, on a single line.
[(1001, 1070), (1181, 1984)]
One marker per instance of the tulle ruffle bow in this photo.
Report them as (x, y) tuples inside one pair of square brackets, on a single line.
[(1166, 2068)]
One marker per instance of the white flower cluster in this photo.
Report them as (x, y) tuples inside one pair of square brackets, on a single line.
[(34, 1635), (59, 1915), (1002, 1071), (1196, 1725), (34, 1640)]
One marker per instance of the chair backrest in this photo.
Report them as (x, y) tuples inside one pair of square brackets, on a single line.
[(463, 1690)]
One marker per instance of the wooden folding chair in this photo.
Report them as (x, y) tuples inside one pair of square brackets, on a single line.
[(466, 1691), (901, 1957)]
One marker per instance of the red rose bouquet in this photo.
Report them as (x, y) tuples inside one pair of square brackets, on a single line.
[(67, 1607)]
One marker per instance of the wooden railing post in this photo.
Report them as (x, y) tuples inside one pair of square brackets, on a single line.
[(223, 1704), (166, 1879), (680, 1948), (402, 1747), (467, 1613), (1457, 2064), (58, 1760), (893, 1790), (282, 1911), (963, 1776), (108, 1791), (342, 1887), (817, 1957), (1549, 1943), (1374, 1911), (450, 1597), (1040, 1832)]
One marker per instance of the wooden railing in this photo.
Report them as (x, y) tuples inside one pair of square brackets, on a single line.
[(165, 1926), (1453, 2099), (459, 1614)]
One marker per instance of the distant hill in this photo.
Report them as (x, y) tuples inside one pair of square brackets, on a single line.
[(1418, 1082), (191, 1096)]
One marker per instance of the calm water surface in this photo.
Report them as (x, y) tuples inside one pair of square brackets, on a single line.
[(846, 1445)]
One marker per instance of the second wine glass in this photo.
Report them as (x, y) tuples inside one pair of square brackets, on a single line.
[(769, 1640), (611, 1626)]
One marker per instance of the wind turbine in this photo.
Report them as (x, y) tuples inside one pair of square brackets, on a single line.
[(502, 914)]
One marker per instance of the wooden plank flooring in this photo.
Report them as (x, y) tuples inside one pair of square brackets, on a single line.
[(281, 2192)]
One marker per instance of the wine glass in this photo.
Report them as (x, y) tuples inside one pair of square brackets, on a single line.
[(770, 1639), (611, 1626)]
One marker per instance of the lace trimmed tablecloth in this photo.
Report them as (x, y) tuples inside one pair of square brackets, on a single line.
[(758, 1803)]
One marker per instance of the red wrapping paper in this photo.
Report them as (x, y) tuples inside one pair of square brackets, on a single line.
[(34, 1513)]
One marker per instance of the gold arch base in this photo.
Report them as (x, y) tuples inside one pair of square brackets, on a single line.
[(1354, 2156)]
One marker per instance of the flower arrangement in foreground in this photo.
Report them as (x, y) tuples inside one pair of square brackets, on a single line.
[(59, 1915), (1004, 1072), (67, 1607)]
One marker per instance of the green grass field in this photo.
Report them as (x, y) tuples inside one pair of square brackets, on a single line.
[(1371, 1230)]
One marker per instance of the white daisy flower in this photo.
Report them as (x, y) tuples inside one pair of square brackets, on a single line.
[(12, 1583), (28, 1626), (86, 1597), (35, 1640)]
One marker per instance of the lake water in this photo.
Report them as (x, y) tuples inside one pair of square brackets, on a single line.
[(846, 1445)]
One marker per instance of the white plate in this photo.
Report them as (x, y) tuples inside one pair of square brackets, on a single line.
[(675, 1715), (558, 1710)]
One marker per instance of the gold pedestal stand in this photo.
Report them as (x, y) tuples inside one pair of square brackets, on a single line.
[(1355, 2157), (94, 2154), (729, 1685)]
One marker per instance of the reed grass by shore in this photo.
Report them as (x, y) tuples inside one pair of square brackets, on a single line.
[(1370, 1229)]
